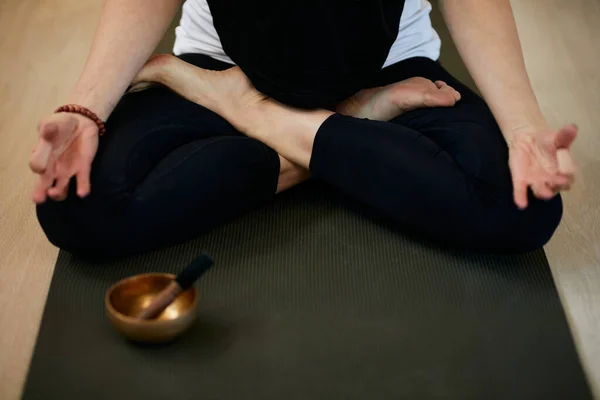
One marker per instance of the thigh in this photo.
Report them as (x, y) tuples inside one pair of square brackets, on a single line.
[(147, 126), (167, 170), (468, 132)]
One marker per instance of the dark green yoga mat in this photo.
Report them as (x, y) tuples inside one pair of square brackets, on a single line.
[(309, 300)]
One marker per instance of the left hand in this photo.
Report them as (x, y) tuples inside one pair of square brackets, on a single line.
[(542, 161)]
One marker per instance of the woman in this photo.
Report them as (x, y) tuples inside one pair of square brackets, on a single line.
[(350, 93)]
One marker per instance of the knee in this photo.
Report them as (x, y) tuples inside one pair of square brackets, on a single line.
[(532, 228), (55, 223), (70, 227)]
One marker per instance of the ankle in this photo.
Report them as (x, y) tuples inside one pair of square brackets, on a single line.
[(156, 69), (251, 117), (290, 175), (287, 130)]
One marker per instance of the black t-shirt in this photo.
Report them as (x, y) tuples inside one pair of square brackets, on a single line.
[(310, 53)]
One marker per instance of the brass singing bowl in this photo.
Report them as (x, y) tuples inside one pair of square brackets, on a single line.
[(128, 297)]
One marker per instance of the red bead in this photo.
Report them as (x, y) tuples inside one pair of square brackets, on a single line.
[(77, 109)]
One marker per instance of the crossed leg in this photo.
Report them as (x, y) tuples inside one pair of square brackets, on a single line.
[(442, 171), (175, 165)]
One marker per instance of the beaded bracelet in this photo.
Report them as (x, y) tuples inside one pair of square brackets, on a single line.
[(76, 109)]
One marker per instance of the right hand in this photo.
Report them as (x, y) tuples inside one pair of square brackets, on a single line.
[(65, 149)]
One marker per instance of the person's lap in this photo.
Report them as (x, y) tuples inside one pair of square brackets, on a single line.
[(166, 170), (447, 177), (467, 131), (169, 170)]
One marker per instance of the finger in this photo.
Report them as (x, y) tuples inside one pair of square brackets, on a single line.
[(84, 165), (38, 161), (59, 191), (518, 168), (566, 136), (83, 181), (560, 180), (520, 193), (566, 165), (49, 129), (58, 128), (560, 183), (41, 187), (541, 189), (53, 133), (440, 84)]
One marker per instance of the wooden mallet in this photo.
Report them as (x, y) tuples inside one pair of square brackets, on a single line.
[(183, 281)]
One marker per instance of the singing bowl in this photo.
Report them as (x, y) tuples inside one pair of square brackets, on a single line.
[(128, 297)]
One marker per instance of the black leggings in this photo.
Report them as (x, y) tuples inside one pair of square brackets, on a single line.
[(169, 170)]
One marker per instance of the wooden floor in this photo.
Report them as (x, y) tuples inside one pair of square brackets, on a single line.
[(44, 43)]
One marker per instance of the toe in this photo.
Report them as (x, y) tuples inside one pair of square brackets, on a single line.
[(450, 90)]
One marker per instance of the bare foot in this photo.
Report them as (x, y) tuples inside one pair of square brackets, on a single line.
[(228, 93), (289, 131), (223, 92), (388, 102)]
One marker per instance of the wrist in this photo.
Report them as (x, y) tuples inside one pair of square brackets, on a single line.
[(90, 99), (77, 109), (523, 129), (101, 111)]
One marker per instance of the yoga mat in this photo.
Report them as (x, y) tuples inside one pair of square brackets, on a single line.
[(310, 300)]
